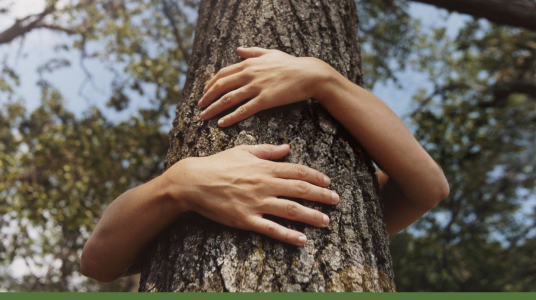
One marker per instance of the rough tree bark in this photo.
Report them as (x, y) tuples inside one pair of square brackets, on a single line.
[(352, 253), (520, 13)]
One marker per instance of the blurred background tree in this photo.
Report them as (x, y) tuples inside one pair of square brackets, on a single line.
[(63, 160)]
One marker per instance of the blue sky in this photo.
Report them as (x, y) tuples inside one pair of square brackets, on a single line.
[(37, 48)]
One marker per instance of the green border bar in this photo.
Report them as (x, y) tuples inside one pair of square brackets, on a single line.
[(262, 296)]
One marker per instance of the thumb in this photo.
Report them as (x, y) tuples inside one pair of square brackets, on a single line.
[(268, 151), (252, 52)]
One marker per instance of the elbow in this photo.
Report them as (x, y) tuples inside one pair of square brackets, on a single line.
[(89, 269), (441, 192)]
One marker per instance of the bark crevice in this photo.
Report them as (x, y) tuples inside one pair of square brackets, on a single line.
[(351, 254)]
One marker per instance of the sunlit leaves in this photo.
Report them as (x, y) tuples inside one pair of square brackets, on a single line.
[(58, 173), (480, 127)]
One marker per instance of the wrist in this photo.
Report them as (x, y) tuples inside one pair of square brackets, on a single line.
[(174, 186), (327, 81)]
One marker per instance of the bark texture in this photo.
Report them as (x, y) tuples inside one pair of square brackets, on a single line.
[(352, 253), (520, 13)]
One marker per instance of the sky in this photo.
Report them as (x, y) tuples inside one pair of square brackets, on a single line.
[(37, 47)]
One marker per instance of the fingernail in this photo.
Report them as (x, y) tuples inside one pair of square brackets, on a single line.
[(334, 197), (220, 122), (203, 115), (325, 220), (302, 239), (199, 103), (326, 180)]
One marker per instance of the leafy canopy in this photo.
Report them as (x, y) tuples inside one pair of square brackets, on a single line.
[(58, 171)]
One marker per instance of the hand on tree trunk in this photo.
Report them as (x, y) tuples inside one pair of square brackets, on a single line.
[(269, 78), (238, 186), (234, 187)]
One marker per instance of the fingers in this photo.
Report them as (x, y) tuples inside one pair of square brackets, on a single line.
[(227, 101), (252, 52), (278, 232), (293, 211), (300, 172), (303, 190), (241, 113), (268, 151), (220, 87), (224, 72)]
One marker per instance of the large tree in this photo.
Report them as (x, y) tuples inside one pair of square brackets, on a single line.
[(58, 170), (351, 254)]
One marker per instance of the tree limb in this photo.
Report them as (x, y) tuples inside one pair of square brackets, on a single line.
[(25, 25), (57, 28), (178, 39), (519, 13), (503, 90)]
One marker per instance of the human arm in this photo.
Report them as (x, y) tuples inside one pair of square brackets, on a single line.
[(234, 187), (412, 183)]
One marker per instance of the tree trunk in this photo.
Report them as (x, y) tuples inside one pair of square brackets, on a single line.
[(352, 253), (520, 13)]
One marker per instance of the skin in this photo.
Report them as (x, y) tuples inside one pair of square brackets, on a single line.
[(237, 186)]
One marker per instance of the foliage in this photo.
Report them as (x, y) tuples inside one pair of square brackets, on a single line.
[(58, 172), (387, 37), (481, 130)]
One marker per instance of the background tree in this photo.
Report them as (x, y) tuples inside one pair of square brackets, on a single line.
[(476, 117)]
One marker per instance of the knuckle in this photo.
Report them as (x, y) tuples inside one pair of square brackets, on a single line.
[(219, 84), (325, 195), (292, 209), (301, 171), (270, 229), (241, 110), (288, 236), (256, 180), (319, 177), (319, 217), (302, 187), (240, 221), (263, 164), (226, 98), (261, 100)]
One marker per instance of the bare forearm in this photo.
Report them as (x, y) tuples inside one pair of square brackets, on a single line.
[(126, 228), (398, 210), (390, 143), (212, 186), (271, 78)]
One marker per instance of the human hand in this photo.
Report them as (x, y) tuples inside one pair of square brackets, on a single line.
[(269, 77), (238, 186)]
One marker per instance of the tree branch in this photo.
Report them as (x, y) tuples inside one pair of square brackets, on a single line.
[(519, 13), (25, 25), (503, 90), (57, 28), (178, 39)]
